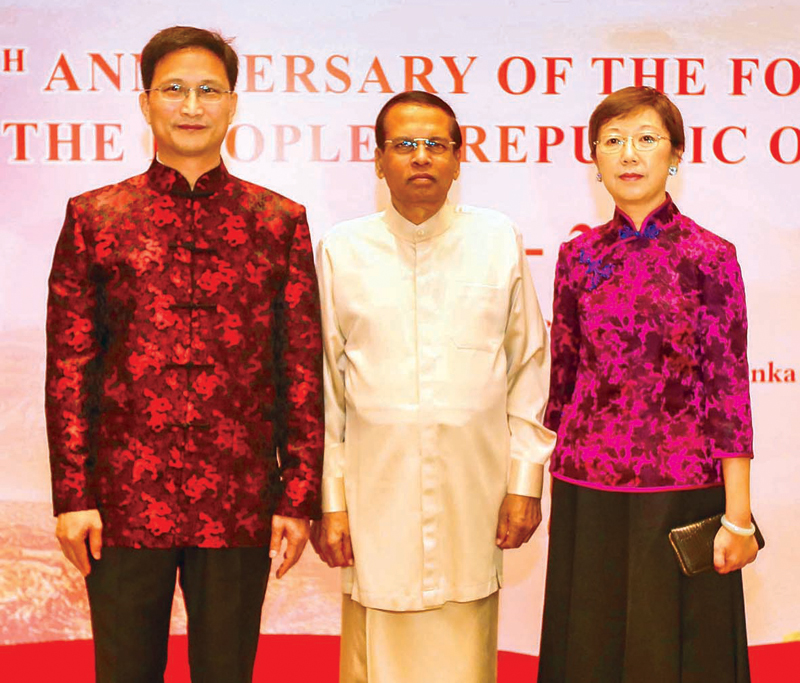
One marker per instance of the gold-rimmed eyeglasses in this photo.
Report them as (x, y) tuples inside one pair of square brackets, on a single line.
[(612, 143), (435, 146), (177, 92)]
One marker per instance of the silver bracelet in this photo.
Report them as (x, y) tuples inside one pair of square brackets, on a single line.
[(736, 529)]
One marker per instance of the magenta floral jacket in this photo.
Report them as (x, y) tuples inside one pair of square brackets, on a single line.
[(649, 384), (183, 391)]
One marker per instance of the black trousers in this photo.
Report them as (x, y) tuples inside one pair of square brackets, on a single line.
[(130, 598)]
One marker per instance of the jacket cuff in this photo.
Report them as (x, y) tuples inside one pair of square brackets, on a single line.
[(77, 503), (526, 478), (333, 461), (727, 454), (333, 499)]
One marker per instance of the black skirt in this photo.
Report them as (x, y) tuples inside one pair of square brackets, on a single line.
[(617, 607)]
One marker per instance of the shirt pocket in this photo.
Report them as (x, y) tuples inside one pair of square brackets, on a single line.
[(479, 316)]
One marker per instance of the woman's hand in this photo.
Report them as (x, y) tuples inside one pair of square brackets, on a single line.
[(732, 552)]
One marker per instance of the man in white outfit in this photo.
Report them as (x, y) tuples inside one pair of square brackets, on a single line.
[(436, 378)]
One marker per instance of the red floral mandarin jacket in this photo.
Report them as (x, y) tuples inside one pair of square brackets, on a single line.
[(183, 393)]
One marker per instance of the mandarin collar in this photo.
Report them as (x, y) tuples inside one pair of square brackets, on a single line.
[(406, 230), (169, 181), (660, 218)]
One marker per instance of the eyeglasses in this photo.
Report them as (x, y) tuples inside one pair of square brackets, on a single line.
[(408, 145), (175, 92), (612, 143)]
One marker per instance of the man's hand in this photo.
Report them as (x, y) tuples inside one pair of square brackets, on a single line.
[(732, 552), (331, 539), (296, 532), (72, 530), (519, 517)]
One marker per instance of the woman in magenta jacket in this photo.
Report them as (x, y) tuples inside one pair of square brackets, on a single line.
[(649, 396)]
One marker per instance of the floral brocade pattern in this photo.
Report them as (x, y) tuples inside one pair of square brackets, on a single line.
[(649, 381), (183, 392)]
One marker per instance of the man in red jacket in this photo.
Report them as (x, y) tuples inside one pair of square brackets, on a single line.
[(183, 392)]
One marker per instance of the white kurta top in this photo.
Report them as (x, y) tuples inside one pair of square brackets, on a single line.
[(436, 380)]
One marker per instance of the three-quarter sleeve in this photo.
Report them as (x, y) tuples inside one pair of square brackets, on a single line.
[(565, 342), (301, 368), (723, 341)]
